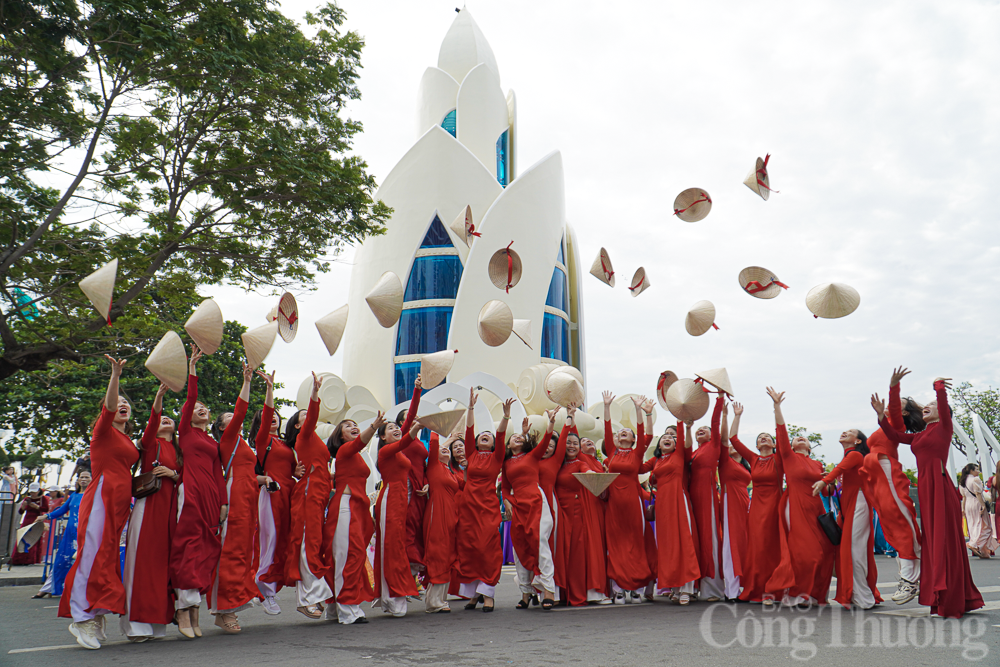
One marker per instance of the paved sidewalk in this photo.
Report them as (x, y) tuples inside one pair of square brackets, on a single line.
[(21, 575)]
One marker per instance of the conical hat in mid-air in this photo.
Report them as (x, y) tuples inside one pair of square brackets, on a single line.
[(168, 361), (761, 283), (463, 227), (495, 323), (505, 268), (640, 282), (758, 180), (288, 317), (331, 328), (443, 423), (564, 389), (386, 299), (832, 300), (99, 287), (272, 315), (700, 318), (28, 535), (570, 370), (434, 367), (687, 400), (718, 378), (522, 329), (602, 268), (596, 482), (205, 326), (692, 205), (667, 378), (257, 343)]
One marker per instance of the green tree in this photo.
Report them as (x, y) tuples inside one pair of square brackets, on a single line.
[(966, 400), (196, 141), (815, 439)]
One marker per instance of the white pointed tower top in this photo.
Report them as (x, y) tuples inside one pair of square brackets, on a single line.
[(465, 47)]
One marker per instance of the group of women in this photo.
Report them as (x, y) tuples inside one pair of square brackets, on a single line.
[(232, 522)]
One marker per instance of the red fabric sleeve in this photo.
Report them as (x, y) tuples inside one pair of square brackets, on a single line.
[(505, 487), (609, 439), (350, 449), (852, 459), (896, 436), (264, 434), (944, 410), (231, 436), (784, 445), (745, 451), (648, 466), (188, 410), (152, 426), (433, 452), (411, 412), (394, 448), (104, 423), (499, 446), (895, 409)]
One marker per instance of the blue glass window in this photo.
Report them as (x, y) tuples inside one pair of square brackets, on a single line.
[(503, 159), (406, 375), (423, 330), (555, 337), (560, 257), (449, 122), (558, 296), (435, 277), (436, 236)]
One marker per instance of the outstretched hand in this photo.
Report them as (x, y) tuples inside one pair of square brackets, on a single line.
[(608, 397), (378, 422), (116, 364), (818, 487), (737, 409), (506, 407), (947, 382), (247, 372), (777, 396), (525, 426), (897, 375), (268, 378), (878, 405)]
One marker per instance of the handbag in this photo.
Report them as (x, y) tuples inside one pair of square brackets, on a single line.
[(147, 483), (828, 522)]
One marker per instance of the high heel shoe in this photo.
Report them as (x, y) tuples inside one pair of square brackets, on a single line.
[(183, 617), (194, 622)]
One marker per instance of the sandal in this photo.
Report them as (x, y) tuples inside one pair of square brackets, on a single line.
[(534, 600), (548, 603), (228, 623), (685, 599), (39, 596), (473, 602), (311, 611), (521, 604)]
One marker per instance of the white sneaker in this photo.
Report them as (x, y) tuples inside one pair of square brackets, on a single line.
[(101, 624), (603, 601), (271, 605), (906, 591), (85, 633)]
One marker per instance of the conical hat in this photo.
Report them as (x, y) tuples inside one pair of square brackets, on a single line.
[(272, 315), (522, 329), (434, 368), (569, 370), (257, 343), (99, 287), (205, 326), (168, 361), (663, 384), (564, 389), (640, 282), (832, 300), (692, 205), (28, 535), (596, 482), (463, 227), (442, 423), (331, 328), (495, 323), (602, 268), (758, 180), (505, 272), (386, 299), (686, 400), (700, 318), (761, 283), (288, 317), (718, 378)]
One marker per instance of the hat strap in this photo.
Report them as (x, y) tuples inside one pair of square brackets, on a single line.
[(510, 267), (754, 286), (701, 383), (763, 172), (292, 319), (607, 272), (110, 305), (471, 230), (705, 197)]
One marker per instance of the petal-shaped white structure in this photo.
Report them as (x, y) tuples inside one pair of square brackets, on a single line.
[(436, 96), (465, 47), (482, 115)]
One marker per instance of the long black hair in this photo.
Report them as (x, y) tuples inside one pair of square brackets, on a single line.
[(862, 446), (255, 426), (217, 429), (964, 475), (529, 443), (454, 465), (173, 441), (336, 439), (292, 429), (912, 419)]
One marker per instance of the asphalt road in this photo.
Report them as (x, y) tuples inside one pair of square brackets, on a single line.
[(656, 633)]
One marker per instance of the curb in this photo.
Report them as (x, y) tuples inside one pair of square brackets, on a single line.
[(20, 581)]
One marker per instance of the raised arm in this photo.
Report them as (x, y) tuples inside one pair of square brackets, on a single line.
[(737, 413), (266, 416), (879, 406), (312, 414), (434, 450), (411, 413), (895, 403), (111, 396), (539, 451), (941, 386), (231, 436), (784, 445), (153, 425), (715, 442), (852, 459)]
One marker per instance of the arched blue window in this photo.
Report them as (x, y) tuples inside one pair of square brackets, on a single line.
[(449, 122), (558, 296), (555, 338), (503, 159)]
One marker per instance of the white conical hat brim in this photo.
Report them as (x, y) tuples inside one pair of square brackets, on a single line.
[(442, 423), (257, 343), (99, 287), (718, 378), (687, 401), (434, 368), (700, 318), (640, 282), (596, 482), (833, 300), (331, 328), (497, 268), (569, 370), (597, 270), (563, 389), (522, 329), (751, 180), (272, 315), (695, 212), (205, 326), (495, 323), (29, 535), (762, 276), (168, 361), (288, 317), (661, 394), (460, 225), (386, 299)]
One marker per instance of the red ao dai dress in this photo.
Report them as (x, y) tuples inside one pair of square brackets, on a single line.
[(393, 579), (273, 508), (416, 505), (440, 517), (480, 556), (705, 503), (596, 555), (147, 553), (625, 523), (734, 479), (573, 573)]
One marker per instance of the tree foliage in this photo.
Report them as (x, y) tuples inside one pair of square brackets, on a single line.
[(966, 400), (196, 141)]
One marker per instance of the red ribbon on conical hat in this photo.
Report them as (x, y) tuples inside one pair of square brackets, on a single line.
[(701, 383), (292, 319), (604, 267), (753, 286), (715, 326), (109, 311), (472, 230), (763, 170), (659, 383), (510, 267), (632, 289), (696, 201)]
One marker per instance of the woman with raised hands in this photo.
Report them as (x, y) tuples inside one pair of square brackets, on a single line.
[(625, 523), (705, 504), (150, 531), (734, 477), (393, 576), (349, 526), (233, 588), (201, 508), (309, 556), (763, 528), (593, 509), (93, 586), (676, 532), (440, 517), (480, 555), (530, 511), (574, 571), (548, 470), (890, 489), (855, 565)]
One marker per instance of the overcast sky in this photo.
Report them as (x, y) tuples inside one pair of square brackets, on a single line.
[(882, 120)]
